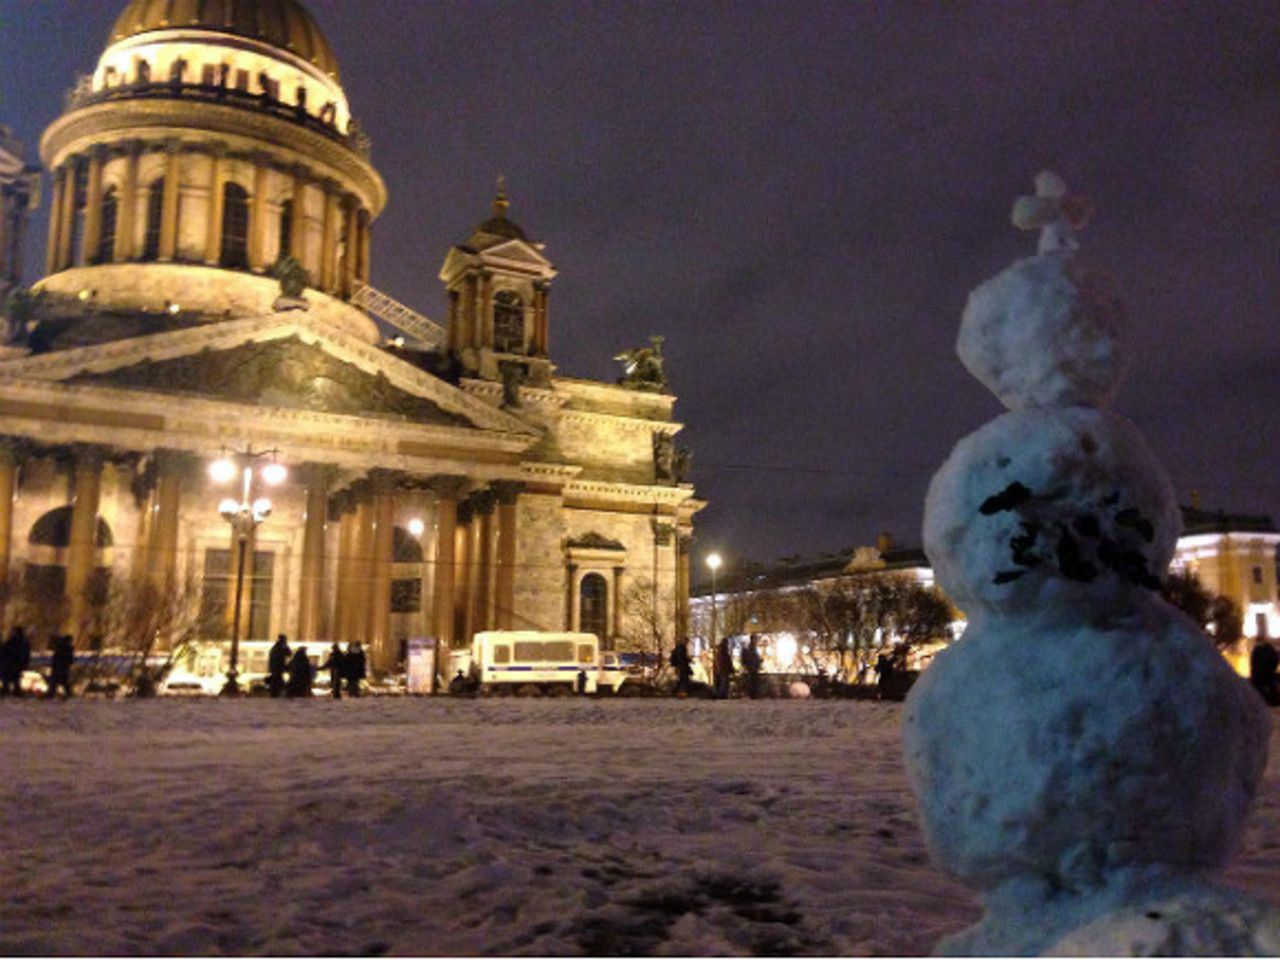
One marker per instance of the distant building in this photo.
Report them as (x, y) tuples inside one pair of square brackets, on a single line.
[(1233, 555)]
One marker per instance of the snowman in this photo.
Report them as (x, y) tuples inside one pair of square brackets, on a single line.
[(1083, 756)]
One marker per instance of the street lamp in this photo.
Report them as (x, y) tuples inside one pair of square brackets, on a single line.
[(713, 564), (244, 515)]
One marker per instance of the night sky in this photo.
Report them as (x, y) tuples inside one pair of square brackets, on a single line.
[(800, 196)]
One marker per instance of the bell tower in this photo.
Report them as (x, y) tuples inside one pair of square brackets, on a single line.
[(498, 284)]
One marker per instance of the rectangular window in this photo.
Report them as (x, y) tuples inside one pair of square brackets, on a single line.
[(501, 653), (209, 75), (215, 593), (242, 80), (406, 596), (1257, 575), (260, 595), (586, 653)]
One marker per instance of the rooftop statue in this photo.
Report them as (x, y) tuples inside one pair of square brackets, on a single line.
[(642, 367)]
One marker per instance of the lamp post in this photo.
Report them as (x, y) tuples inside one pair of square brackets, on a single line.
[(713, 564), (244, 515)]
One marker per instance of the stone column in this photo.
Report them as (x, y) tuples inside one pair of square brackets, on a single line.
[(258, 215), (329, 240), (464, 557), (127, 211), (683, 584), (382, 515), (448, 489), (8, 485), (484, 331), (311, 591), (340, 624), (540, 320), (505, 580), (93, 208), (169, 209), (67, 213), (366, 246), (162, 561), (146, 501), (615, 615), (361, 566), (298, 232), (213, 226), (352, 250), (483, 615), (570, 594), (82, 548), (51, 260)]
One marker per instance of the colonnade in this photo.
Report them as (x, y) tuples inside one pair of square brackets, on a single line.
[(80, 190)]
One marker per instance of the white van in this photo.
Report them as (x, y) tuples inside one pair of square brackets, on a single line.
[(515, 658), (200, 667)]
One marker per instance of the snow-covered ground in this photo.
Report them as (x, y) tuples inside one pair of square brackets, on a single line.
[(462, 827)]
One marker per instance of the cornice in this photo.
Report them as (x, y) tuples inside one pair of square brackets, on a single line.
[(629, 492)]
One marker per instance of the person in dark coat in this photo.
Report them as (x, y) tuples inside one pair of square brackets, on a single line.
[(15, 658), (355, 668), (683, 665), (64, 655), (751, 662), (1263, 663), (723, 668), (300, 675), (458, 685), (336, 664), (277, 663)]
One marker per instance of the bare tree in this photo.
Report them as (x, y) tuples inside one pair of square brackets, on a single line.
[(1219, 616), (647, 626)]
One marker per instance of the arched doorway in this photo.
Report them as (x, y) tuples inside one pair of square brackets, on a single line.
[(593, 606)]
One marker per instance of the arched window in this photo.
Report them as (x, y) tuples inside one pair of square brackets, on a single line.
[(155, 213), (593, 606), (79, 201), (235, 227), (107, 237), (508, 322), (286, 229)]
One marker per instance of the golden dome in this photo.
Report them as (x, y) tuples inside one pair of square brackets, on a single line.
[(280, 23)]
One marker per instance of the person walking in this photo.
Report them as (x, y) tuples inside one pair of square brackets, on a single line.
[(64, 655), (277, 663), (300, 676), (723, 668), (751, 662), (336, 663), (355, 668), (683, 666)]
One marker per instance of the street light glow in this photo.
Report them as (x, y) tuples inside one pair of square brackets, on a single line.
[(416, 527), (222, 470), (274, 473), (229, 507), (713, 561)]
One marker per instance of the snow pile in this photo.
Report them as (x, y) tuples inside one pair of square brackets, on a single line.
[(1083, 750)]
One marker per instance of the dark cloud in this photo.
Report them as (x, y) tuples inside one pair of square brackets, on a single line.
[(800, 196)]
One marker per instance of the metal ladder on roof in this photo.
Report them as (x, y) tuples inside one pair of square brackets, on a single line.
[(373, 301)]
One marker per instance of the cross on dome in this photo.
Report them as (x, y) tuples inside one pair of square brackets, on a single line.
[(1054, 212)]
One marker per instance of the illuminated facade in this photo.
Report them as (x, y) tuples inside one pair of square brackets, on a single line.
[(442, 480)]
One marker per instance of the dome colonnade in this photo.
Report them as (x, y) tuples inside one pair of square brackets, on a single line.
[(180, 149)]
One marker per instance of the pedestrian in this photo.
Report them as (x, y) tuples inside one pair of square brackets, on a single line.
[(1263, 663), (354, 668), (683, 665), (335, 665), (458, 685), (723, 669), (15, 658), (751, 662), (64, 655), (277, 663), (582, 683), (884, 674), (300, 676)]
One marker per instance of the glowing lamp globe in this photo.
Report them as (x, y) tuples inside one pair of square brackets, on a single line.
[(274, 473), (222, 471), (416, 527), (228, 508)]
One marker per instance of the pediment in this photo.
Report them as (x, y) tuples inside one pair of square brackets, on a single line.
[(295, 363), (516, 251), (286, 373)]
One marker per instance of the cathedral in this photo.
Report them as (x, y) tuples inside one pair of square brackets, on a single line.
[(205, 389)]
